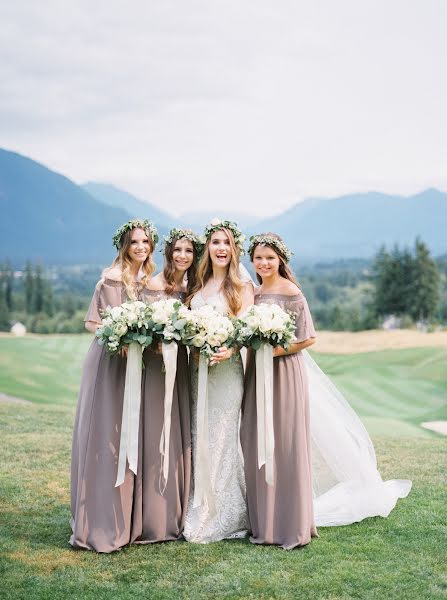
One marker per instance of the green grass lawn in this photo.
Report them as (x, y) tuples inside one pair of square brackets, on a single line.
[(392, 390), (402, 557)]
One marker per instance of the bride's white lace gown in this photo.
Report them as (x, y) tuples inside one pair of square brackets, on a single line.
[(225, 390)]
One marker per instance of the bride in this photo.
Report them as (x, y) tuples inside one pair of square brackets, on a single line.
[(222, 513)]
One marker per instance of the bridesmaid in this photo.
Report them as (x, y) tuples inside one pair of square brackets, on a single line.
[(280, 514), (101, 512), (160, 516)]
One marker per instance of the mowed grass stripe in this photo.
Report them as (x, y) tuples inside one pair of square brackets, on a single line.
[(408, 384), (43, 369)]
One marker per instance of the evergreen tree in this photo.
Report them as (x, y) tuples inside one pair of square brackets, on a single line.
[(4, 310), (5, 323), (8, 282), (29, 287), (406, 284), (425, 291), (38, 291), (48, 300)]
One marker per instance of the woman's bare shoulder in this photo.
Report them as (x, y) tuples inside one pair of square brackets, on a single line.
[(288, 288), (157, 283)]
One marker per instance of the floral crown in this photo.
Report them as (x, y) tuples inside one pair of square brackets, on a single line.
[(185, 234), (269, 240), (217, 225), (145, 224)]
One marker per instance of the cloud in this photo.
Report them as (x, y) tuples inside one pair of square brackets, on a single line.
[(251, 104)]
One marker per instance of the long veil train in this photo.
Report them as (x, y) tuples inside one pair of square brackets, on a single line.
[(347, 486)]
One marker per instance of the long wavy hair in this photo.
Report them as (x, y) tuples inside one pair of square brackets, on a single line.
[(284, 269), (232, 285), (169, 268), (123, 262)]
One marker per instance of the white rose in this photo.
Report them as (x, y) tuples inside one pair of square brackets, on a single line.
[(215, 222), (198, 341), (120, 329), (116, 312)]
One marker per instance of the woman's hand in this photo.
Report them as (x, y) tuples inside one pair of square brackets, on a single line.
[(123, 352), (92, 326), (293, 348), (221, 355)]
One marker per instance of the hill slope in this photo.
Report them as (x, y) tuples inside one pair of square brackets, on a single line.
[(356, 225), (46, 216), (113, 196)]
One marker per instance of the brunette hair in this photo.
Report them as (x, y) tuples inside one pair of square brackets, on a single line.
[(123, 262), (232, 285), (169, 267), (284, 269)]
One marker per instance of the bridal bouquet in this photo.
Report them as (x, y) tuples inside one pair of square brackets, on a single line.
[(208, 329), (168, 319), (265, 324), (124, 324), (262, 328)]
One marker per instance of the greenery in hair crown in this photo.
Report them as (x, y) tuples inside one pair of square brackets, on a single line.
[(185, 234), (217, 225), (145, 224), (268, 240)]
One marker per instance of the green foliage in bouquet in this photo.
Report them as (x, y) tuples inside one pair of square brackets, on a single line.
[(265, 324)]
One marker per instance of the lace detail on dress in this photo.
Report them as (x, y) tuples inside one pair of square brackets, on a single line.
[(225, 389)]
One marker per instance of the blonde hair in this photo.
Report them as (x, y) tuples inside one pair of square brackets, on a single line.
[(284, 269), (123, 262), (232, 285)]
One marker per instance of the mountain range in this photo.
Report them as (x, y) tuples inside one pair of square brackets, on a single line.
[(46, 216)]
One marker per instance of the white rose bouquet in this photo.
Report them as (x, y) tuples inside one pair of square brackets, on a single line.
[(168, 319), (262, 328), (128, 325), (124, 324), (208, 329), (265, 324)]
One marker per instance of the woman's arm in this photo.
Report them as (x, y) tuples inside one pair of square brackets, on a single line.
[(92, 326), (294, 348), (248, 297)]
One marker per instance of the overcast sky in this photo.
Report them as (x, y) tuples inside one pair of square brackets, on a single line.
[(249, 104)]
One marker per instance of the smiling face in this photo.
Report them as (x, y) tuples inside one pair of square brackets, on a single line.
[(182, 255), (139, 247), (220, 249), (265, 261)]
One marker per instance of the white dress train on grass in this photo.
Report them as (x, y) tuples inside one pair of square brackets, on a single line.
[(347, 486)]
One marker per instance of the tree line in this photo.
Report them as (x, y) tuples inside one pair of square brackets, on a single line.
[(407, 283), (31, 300), (353, 296)]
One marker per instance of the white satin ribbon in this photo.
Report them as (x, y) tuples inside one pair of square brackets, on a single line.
[(130, 421), (169, 352), (202, 480), (264, 409)]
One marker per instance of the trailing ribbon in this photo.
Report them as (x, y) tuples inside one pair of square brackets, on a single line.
[(169, 352), (202, 480), (264, 409), (130, 420)]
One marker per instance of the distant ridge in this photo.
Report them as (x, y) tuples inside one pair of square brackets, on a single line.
[(355, 225), (113, 196), (45, 215)]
